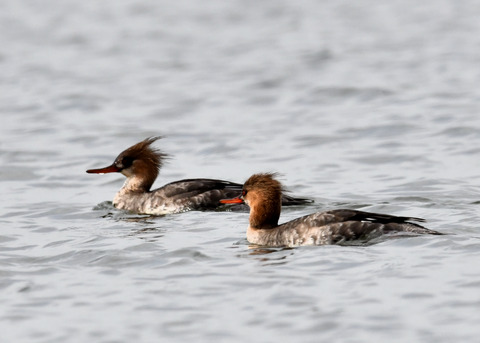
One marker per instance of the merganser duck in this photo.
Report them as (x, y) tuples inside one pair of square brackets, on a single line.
[(262, 193), (141, 164)]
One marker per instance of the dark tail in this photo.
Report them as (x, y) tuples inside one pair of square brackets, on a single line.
[(392, 223), (288, 200), (411, 228)]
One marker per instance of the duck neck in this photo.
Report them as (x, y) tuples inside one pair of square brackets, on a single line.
[(135, 184), (265, 215), (140, 179)]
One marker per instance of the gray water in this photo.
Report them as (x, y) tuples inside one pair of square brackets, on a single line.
[(358, 104)]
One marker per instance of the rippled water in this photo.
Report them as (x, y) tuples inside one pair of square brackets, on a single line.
[(360, 105)]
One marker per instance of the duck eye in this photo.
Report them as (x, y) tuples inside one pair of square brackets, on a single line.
[(127, 162), (244, 192)]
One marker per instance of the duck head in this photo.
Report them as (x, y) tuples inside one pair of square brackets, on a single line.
[(140, 163)]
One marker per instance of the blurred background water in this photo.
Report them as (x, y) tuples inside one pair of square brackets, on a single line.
[(366, 104)]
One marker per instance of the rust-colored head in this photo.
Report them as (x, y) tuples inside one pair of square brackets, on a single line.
[(263, 194), (140, 160)]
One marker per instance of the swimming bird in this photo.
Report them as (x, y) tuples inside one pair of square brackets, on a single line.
[(141, 164), (263, 193)]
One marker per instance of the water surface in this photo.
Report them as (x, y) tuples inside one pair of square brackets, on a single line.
[(365, 105)]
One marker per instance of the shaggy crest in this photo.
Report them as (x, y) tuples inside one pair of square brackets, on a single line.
[(266, 182), (142, 151)]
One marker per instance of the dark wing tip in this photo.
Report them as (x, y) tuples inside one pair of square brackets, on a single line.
[(288, 200)]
